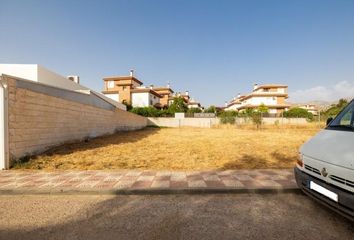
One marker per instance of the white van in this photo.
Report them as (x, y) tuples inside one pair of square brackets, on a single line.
[(325, 168)]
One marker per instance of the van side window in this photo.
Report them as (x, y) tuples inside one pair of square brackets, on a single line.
[(345, 119)]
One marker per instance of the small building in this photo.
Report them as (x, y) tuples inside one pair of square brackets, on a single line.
[(166, 93), (194, 104), (190, 102), (273, 96), (311, 108), (130, 90)]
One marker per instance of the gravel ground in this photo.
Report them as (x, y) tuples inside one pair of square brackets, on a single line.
[(229, 216)]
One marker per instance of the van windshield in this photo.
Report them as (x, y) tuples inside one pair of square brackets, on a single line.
[(344, 120)]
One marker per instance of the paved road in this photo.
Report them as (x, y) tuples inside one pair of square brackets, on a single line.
[(235, 216)]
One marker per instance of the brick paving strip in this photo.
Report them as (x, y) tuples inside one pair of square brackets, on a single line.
[(146, 181)]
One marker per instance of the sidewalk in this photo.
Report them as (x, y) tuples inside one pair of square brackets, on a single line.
[(145, 182)]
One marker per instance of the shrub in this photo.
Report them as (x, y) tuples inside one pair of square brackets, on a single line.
[(262, 108), (211, 109), (194, 110), (257, 119), (298, 113), (228, 117), (146, 111), (335, 109), (248, 112), (165, 113), (178, 105)]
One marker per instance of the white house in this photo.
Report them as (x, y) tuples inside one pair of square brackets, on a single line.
[(271, 95), (192, 103), (130, 90), (144, 97), (38, 73)]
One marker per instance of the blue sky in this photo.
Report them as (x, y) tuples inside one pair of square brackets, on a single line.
[(214, 49)]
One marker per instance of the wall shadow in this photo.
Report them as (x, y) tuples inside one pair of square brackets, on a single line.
[(282, 158), (247, 161), (188, 217)]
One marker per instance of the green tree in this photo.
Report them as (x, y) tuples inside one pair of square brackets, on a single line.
[(262, 108), (210, 109), (257, 116), (194, 110), (335, 108), (228, 117), (257, 119), (178, 105), (248, 112), (298, 113)]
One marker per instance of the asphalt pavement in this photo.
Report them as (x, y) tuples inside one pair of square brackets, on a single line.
[(206, 216)]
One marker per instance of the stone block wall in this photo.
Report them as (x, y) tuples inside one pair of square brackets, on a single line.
[(41, 116)]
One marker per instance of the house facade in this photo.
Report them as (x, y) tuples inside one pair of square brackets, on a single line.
[(130, 90), (194, 104), (273, 96), (188, 100), (166, 93)]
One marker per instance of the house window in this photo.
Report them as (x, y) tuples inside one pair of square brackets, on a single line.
[(150, 102), (110, 84), (124, 88), (266, 89)]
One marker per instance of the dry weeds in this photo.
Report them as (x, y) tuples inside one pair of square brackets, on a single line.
[(181, 149)]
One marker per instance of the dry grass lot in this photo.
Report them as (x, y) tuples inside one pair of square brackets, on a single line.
[(181, 149)]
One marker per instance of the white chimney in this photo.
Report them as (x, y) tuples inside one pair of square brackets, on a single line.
[(239, 95), (74, 78), (151, 86), (255, 86), (187, 93), (226, 104), (168, 85), (132, 73)]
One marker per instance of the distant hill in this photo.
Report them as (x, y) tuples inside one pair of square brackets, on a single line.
[(322, 105)]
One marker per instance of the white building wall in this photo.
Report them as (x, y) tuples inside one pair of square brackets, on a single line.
[(272, 110), (113, 96), (281, 90), (277, 90), (140, 99), (37, 73), (264, 100), (233, 107), (193, 106)]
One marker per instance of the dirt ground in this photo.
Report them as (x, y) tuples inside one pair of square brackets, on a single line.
[(181, 149), (208, 216)]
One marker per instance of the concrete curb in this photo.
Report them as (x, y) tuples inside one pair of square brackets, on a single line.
[(157, 191)]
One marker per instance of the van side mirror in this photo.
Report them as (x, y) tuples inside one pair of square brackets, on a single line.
[(329, 120)]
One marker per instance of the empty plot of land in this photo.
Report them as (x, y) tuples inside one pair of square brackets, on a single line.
[(181, 149)]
